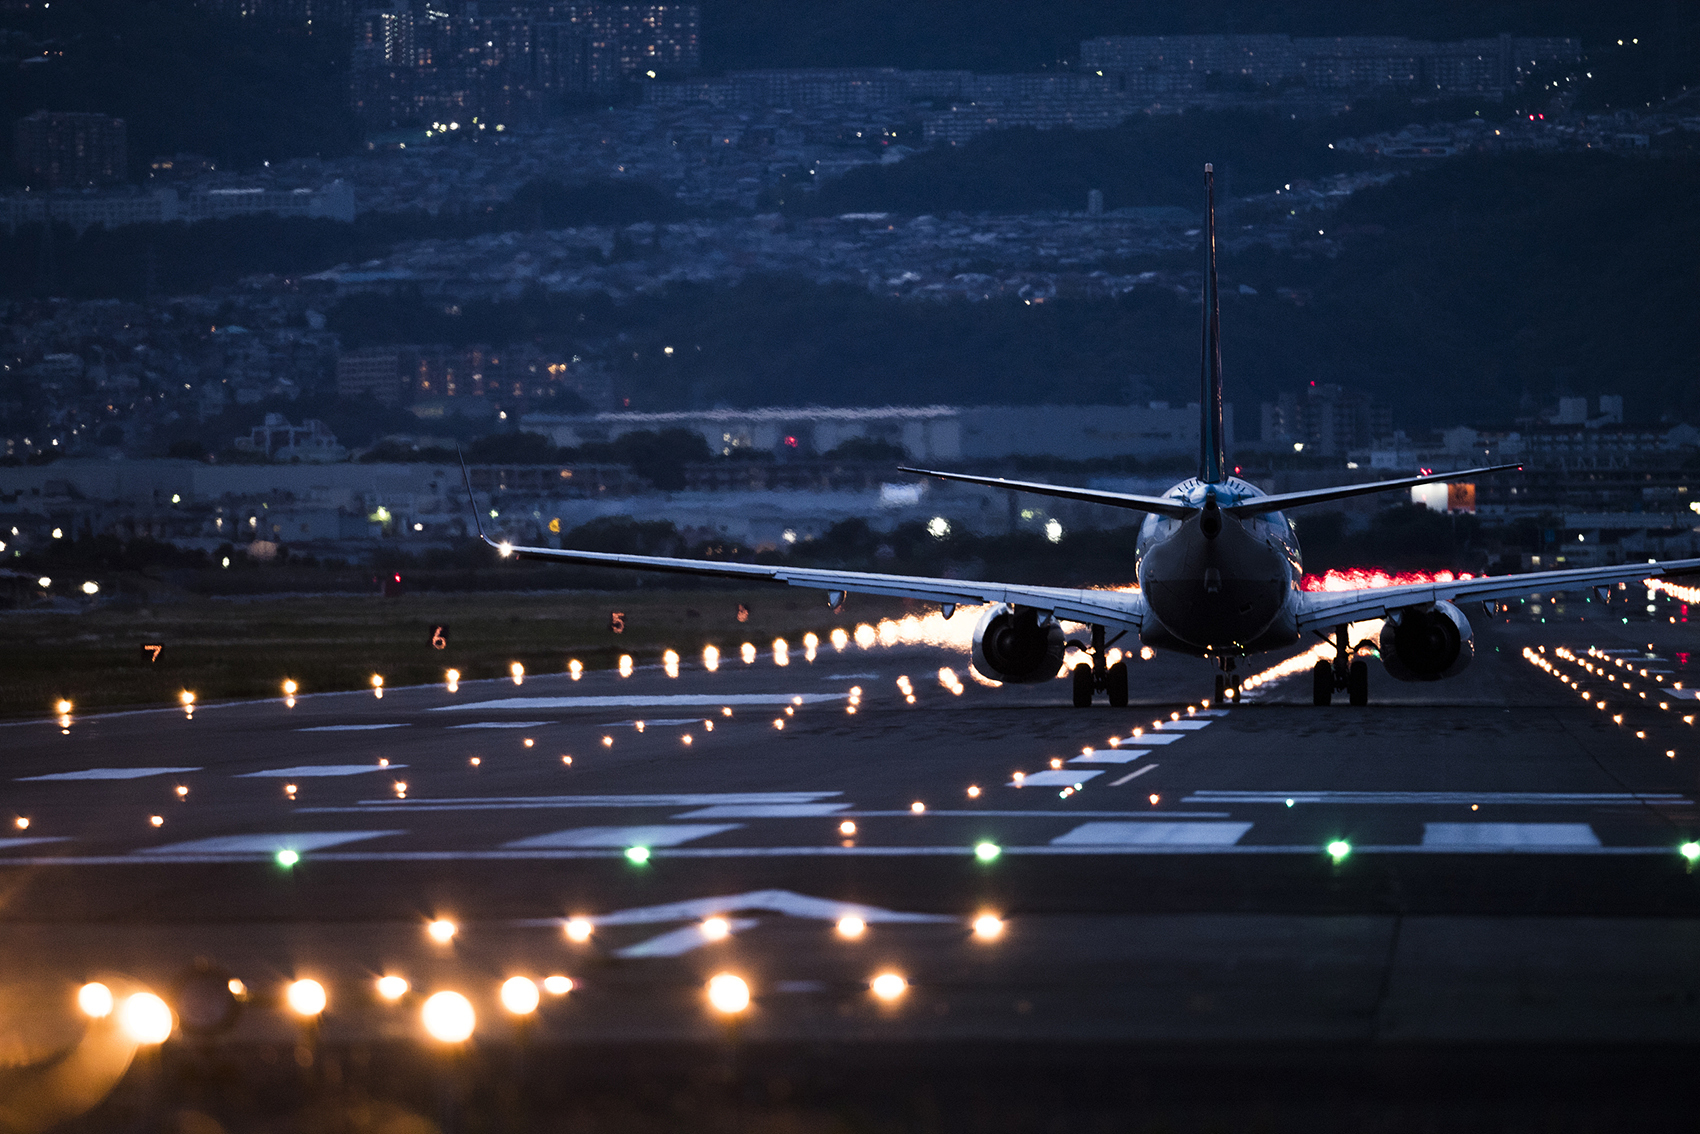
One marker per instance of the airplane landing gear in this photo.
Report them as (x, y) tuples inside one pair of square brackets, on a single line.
[(1091, 678), (1357, 682), (1115, 685), (1083, 684), (1322, 683), (1346, 672), (1227, 683)]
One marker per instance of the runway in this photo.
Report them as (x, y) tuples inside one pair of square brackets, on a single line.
[(1494, 859)]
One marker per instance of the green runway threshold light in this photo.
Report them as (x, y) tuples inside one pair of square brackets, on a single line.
[(287, 858), (986, 852), (637, 855), (1339, 849), (1690, 851)]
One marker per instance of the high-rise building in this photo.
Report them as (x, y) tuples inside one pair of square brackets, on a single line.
[(63, 151)]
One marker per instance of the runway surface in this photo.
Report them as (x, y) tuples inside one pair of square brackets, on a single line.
[(1493, 859)]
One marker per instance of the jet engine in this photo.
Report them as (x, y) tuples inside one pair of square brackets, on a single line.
[(1427, 642), (1015, 646)]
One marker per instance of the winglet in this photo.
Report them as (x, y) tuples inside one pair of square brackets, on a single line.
[(470, 499)]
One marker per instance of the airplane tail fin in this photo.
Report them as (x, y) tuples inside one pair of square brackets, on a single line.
[(1212, 445), (466, 476)]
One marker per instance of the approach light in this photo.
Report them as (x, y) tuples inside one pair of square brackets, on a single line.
[(520, 995), (95, 1000), (889, 986), (145, 1018), (305, 997), (448, 1017), (728, 994), (392, 988), (987, 926), (442, 930)]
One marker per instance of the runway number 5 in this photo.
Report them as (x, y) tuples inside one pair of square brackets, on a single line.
[(617, 622)]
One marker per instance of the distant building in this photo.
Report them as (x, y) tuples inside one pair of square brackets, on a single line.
[(310, 14), (1328, 421), (374, 372), (70, 151), (281, 441)]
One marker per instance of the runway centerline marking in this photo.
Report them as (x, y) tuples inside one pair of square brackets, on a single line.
[(1135, 774), (678, 942), (503, 724), (642, 701), (642, 836), (764, 811), (105, 774), (502, 803), (311, 771)]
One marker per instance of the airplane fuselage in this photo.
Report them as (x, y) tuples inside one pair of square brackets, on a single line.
[(1216, 584)]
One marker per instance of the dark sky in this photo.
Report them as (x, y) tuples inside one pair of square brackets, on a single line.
[(1019, 35)]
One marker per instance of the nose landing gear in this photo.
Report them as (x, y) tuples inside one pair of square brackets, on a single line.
[(1227, 683)]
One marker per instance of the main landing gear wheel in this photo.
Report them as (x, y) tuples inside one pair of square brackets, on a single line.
[(1115, 684), (1357, 682), (1322, 682), (1083, 686)]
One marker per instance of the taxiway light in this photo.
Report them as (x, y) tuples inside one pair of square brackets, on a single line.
[(475, 761), (1155, 798), (567, 760), (779, 723), (1671, 752), (156, 820), (517, 672), (145, 1018), (987, 926), (187, 698), (286, 858), (1056, 762), (529, 743), (973, 791), (305, 997), (986, 852), (392, 988), (22, 823), (917, 807), (637, 855), (1339, 849), (575, 669), (625, 665), (377, 681), (557, 985), (725, 710), (607, 742), (1690, 851), (448, 1017), (520, 995), (847, 827), (95, 1000), (579, 929), (851, 927), (889, 986), (710, 658), (442, 930), (728, 994), (716, 929), (289, 688), (62, 707)]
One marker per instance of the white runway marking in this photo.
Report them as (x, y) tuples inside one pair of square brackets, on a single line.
[(299, 842), (106, 774), (1532, 798), (1107, 756), (505, 803), (764, 811), (1509, 836), (851, 677), (650, 836), (639, 701), (786, 902), (1153, 738), (309, 771), (9, 842), (502, 724), (670, 722), (1187, 725), (1153, 832), (1135, 774), (1053, 777), (1211, 713), (349, 727)]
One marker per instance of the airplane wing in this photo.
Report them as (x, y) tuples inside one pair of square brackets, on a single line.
[(1257, 505), (1119, 610), (1318, 609), (1161, 505)]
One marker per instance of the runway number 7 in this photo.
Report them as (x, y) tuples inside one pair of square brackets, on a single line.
[(151, 651)]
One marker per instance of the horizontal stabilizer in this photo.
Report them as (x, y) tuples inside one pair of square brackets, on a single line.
[(1258, 505), (1158, 505)]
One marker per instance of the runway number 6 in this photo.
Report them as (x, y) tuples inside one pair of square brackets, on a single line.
[(439, 637)]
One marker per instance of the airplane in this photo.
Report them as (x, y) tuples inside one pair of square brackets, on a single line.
[(1218, 568)]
